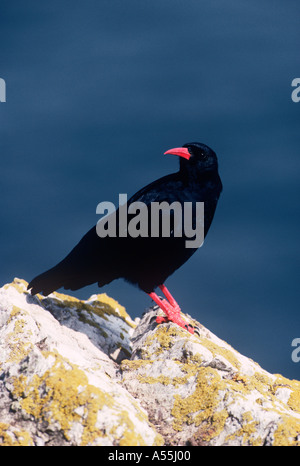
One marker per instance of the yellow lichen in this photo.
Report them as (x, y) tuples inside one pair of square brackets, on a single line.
[(246, 434), (249, 430), (19, 284), (113, 304), (189, 369), (163, 379), (134, 364), (63, 391), (19, 348), (162, 340), (294, 386), (130, 437), (202, 404), (216, 349), (10, 436), (103, 306), (56, 396), (287, 433)]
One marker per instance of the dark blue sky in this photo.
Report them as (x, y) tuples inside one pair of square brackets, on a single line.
[(97, 91)]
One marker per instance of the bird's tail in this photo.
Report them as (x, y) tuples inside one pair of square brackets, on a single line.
[(47, 282), (63, 275)]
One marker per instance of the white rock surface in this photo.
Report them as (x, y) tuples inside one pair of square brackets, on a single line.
[(201, 391), (57, 387), (78, 372)]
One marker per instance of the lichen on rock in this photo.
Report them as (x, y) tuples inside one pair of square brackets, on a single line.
[(201, 391), (56, 383), (82, 372)]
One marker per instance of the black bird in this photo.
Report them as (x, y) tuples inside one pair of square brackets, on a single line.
[(145, 261)]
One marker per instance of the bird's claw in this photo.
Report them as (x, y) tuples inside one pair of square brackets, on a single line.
[(176, 319), (197, 330), (172, 311), (161, 320)]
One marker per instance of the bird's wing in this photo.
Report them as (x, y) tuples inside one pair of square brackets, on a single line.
[(160, 190)]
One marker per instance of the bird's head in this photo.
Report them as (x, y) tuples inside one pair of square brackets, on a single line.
[(195, 156)]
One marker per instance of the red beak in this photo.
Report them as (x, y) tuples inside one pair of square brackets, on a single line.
[(181, 151)]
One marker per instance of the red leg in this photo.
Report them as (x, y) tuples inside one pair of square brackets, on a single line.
[(166, 307), (169, 297), (170, 308)]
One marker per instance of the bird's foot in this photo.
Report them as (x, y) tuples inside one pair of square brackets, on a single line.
[(179, 321), (172, 311)]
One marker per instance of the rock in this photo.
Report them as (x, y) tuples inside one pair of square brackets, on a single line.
[(76, 372), (59, 385), (198, 390)]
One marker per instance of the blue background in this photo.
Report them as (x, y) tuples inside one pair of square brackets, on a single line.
[(98, 90)]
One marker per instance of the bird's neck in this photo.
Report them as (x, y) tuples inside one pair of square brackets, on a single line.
[(198, 176)]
